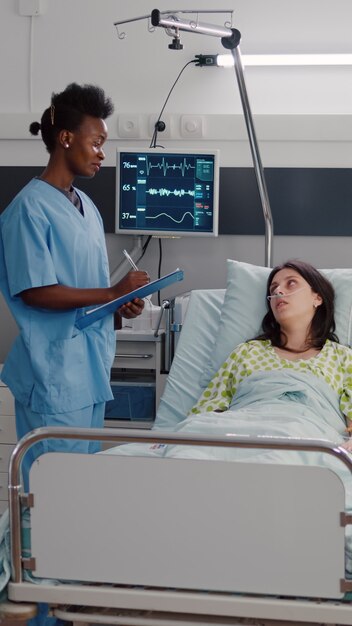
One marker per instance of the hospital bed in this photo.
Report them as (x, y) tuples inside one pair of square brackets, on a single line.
[(139, 538)]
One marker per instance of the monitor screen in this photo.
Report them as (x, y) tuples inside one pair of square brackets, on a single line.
[(167, 193)]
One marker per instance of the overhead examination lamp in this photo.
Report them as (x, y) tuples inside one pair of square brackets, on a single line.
[(230, 39), (271, 60)]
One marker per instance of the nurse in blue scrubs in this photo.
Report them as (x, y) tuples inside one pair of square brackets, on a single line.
[(53, 264)]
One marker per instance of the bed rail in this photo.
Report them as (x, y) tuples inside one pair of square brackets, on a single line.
[(124, 436), (173, 326)]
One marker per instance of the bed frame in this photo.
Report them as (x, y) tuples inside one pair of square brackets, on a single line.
[(183, 538), (153, 540)]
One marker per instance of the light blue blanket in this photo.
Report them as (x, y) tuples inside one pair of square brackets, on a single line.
[(281, 403)]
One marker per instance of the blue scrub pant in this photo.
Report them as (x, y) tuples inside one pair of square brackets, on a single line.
[(26, 420)]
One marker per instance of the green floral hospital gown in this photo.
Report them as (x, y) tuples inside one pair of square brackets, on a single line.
[(333, 364)]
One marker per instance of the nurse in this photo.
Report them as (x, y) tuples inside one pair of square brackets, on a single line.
[(53, 264)]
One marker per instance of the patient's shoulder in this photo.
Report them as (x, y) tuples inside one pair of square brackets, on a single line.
[(258, 344), (339, 349), (253, 346)]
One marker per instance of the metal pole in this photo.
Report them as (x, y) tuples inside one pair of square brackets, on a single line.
[(233, 44), (258, 168), (193, 26)]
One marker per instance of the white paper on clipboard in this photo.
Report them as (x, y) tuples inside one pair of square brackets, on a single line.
[(92, 315)]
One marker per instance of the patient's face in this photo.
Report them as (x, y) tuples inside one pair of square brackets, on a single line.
[(295, 299)]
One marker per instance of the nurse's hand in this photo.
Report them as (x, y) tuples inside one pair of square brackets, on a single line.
[(131, 309), (131, 281)]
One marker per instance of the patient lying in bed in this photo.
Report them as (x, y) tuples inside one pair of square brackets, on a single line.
[(293, 380)]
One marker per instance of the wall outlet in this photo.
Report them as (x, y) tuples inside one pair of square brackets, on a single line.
[(31, 8), (129, 126), (192, 126)]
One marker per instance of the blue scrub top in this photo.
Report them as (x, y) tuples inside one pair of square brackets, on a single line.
[(52, 366)]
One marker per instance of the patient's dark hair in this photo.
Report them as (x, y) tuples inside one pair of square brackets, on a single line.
[(323, 322), (68, 109)]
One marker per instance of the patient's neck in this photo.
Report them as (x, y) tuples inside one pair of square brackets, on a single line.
[(296, 344), (295, 337)]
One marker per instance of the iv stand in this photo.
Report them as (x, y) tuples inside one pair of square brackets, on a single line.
[(230, 39)]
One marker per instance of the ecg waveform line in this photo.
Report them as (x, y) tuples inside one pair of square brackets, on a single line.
[(165, 166), (155, 217), (168, 192)]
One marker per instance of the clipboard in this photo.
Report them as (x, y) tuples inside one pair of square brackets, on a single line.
[(93, 315)]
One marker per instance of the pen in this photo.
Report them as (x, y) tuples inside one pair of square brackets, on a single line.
[(130, 260)]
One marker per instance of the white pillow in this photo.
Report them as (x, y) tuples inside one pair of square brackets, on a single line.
[(245, 306)]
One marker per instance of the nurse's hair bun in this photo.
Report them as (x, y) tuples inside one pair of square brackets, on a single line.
[(34, 128)]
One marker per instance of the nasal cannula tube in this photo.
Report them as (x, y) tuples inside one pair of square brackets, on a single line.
[(285, 295)]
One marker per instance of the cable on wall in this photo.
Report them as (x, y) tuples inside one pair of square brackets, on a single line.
[(31, 9), (144, 248), (30, 64), (160, 127), (159, 124)]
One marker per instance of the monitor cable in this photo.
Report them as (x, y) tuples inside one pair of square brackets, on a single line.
[(144, 248), (160, 127), (159, 267), (159, 124)]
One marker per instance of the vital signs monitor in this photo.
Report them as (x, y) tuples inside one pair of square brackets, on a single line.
[(167, 192)]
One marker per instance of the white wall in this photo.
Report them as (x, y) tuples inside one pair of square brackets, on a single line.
[(303, 116), (76, 40)]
